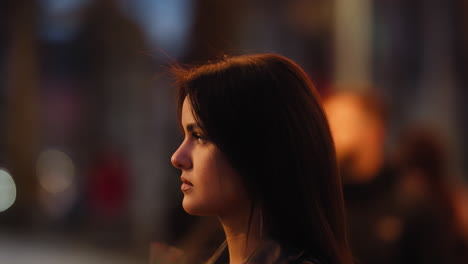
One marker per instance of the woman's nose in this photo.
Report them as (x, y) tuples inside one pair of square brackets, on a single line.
[(181, 158)]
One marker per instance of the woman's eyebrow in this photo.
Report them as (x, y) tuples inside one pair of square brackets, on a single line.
[(191, 127)]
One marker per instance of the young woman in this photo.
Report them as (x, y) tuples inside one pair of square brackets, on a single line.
[(258, 154)]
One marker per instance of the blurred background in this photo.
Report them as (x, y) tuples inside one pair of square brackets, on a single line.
[(87, 107)]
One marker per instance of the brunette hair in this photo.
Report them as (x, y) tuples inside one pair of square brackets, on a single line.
[(264, 114)]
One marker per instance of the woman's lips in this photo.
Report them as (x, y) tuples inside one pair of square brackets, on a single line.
[(186, 185)]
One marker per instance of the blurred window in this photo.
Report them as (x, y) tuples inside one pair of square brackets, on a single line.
[(166, 24), (60, 19)]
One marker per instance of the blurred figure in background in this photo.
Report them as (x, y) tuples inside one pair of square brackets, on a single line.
[(357, 122), (108, 195), (388, 223), (461, 218), (425, 185)]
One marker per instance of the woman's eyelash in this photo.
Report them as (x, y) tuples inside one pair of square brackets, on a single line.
[(199, 137)]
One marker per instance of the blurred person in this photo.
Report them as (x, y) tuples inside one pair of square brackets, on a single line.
[(257, 153), (358, 125), (422, 162), (388, 216), (124, 110), (461, 216), (108, 189), (436, 226)]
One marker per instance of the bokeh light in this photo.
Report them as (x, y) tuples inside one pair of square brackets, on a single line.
[(55, 171), (7, 190)]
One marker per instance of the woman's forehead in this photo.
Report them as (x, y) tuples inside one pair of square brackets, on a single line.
[(187, 112), (188, 115)]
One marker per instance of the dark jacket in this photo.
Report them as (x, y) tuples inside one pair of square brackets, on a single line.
[(272, 253)]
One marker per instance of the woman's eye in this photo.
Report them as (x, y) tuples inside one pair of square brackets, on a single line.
[(200, 139)]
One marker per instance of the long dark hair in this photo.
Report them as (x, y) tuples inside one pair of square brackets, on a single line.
[(263, 112)]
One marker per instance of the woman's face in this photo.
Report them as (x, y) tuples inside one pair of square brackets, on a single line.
[(209, 183)]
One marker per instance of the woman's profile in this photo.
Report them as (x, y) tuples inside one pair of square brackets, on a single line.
[(258, 154)]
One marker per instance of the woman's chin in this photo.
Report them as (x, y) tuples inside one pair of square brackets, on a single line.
[(189, 207), (192, 208)]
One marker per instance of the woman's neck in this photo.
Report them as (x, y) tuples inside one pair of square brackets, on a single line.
[(241, 240)]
